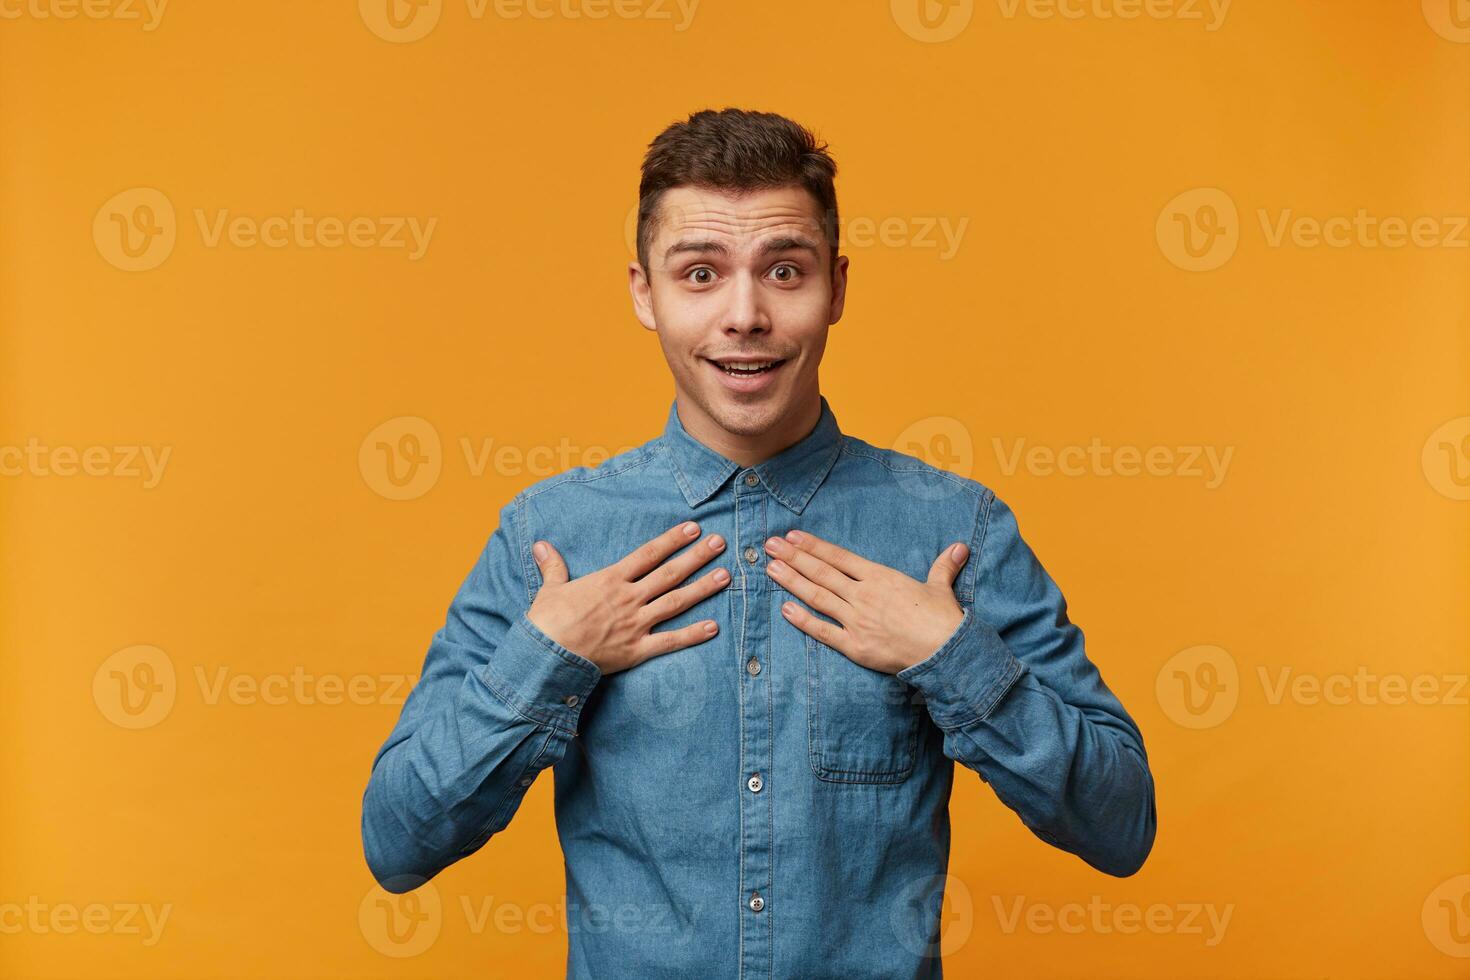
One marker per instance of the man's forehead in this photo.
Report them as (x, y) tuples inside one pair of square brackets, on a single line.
[(759, 212)]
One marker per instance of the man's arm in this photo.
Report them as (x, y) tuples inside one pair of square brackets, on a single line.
[(1020, 703), (497, 702)]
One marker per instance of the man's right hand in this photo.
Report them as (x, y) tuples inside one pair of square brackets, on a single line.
[(607, 616)]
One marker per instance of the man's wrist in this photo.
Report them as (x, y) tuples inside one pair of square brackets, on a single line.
[(966, 677), (539, 677)]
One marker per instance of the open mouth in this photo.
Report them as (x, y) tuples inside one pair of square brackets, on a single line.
[(747, 369)]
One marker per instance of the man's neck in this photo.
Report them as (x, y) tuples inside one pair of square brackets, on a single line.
[(755, 449)]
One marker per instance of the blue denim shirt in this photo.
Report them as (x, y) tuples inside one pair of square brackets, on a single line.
[(757, 805)]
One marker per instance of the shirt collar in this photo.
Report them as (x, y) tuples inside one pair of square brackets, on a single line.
[(792, 475)]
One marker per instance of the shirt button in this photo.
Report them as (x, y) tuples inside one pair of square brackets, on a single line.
[(751, 479), (756, 902), (755, 783), (571, 700), (527, 780), (751, 555), (752, 666)]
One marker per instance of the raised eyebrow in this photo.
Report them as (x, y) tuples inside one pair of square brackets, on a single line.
[(696, 245), (786, 243), (790, 244)]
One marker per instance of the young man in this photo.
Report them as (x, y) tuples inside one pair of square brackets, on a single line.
[(752, 649)]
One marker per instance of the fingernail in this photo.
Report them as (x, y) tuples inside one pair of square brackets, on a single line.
[(721, 575), (710, 627), (716, 542), (540, 548), (959, 552), (691, 529), (794, 536)]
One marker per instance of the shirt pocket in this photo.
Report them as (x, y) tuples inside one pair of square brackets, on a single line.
[(862, 725)]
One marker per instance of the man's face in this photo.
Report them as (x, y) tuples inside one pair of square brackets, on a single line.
[(741, 278)]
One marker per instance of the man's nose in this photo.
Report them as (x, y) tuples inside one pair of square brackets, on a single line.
[(746, 312)]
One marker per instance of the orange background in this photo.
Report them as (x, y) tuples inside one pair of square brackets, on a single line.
[(1334, 834)]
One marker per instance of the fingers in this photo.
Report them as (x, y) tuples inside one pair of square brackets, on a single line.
[(667, 641), (947, 566), (649, 555), (810, 567), (549, 560), (819, 597), (677, 569), (672, 603), (849, 563)]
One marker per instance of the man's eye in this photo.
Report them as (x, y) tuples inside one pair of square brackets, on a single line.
[(792, 271), (706, 270)]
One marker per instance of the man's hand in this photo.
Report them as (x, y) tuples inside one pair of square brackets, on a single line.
[(888, 620), (607, 616)]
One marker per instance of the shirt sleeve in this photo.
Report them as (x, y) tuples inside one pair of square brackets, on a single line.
[(496, 703), (1019, 702)]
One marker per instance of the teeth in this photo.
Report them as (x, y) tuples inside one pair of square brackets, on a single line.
[(750, 368)]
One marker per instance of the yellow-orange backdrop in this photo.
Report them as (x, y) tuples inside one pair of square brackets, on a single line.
[(1186, 283)]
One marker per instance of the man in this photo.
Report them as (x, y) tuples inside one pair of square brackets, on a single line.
[(752, 649)]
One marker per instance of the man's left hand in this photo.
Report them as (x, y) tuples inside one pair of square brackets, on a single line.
[(889, 621)]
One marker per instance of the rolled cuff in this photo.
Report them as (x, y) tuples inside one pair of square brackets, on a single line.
[(965, 678), (539, 677)]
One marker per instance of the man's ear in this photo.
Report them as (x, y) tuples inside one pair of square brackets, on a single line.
[(642, 296), (839, 289)]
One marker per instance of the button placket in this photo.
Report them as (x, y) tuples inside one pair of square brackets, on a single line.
[(753, 617)]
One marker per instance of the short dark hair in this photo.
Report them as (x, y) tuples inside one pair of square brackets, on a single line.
[(735, 150)]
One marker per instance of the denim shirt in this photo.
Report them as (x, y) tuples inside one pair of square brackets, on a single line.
[(756, 805)]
